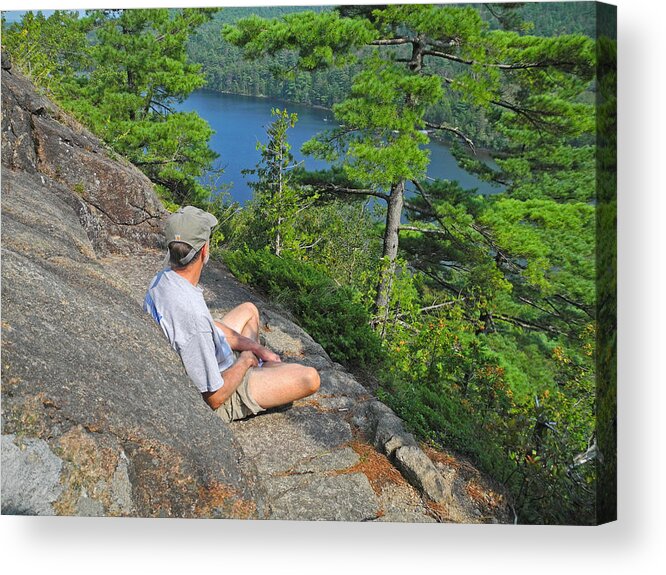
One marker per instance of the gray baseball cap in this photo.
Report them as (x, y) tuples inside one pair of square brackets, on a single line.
[(191, 226)]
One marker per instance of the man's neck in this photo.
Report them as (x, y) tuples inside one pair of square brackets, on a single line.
[(191, 273)]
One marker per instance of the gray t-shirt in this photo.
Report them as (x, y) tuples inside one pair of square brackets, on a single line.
[(180, 310)]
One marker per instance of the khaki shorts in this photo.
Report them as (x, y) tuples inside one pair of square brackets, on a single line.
[(241, 404)]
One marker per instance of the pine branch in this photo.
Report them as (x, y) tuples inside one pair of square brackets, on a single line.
[(433, 213), (530, 115), (437, 279)]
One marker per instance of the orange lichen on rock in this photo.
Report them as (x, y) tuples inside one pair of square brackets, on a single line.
[(89, 467), (219, 500)]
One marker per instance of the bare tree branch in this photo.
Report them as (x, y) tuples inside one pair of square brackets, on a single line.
[(528, 324), (332, 188), (432, 307), (516, 66), (424, 230), (456, 131), (391, 41), (585, 309)]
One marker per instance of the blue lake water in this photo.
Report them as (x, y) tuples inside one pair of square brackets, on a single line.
[(240, 122)]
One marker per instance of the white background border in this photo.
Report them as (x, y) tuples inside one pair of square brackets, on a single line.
[(632, 544)]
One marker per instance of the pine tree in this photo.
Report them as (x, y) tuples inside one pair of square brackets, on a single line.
[(49, 51), (383, 125), (121, 72), (277, 201)]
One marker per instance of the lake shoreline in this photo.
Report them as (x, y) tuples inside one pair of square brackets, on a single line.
[(239, 121), (264, 97), (446, 140)]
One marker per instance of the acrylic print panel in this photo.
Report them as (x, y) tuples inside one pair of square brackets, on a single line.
[(422, 214)]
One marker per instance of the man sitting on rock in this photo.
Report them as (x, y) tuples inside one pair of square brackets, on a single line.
[(236, 376)]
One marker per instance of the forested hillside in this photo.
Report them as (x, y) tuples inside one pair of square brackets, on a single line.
[(277, 75), (474, 317)]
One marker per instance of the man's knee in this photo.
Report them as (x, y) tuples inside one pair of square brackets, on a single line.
[(311, 380), (250, 309)]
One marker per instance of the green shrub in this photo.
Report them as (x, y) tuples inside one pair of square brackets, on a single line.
[(331, 314)]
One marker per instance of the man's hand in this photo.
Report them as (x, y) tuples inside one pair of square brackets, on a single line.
[(267, 355), (249, 358), (233, 377), (241, 343)]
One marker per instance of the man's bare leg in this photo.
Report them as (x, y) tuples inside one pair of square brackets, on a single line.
[(244, 319), (277, 383)]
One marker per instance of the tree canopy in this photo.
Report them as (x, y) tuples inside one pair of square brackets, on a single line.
[(121, 72)]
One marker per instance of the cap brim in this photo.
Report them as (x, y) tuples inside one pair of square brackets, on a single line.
[(211, 220)]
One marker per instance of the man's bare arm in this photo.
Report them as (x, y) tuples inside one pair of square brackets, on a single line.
[(232, 379), (239, 342)]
